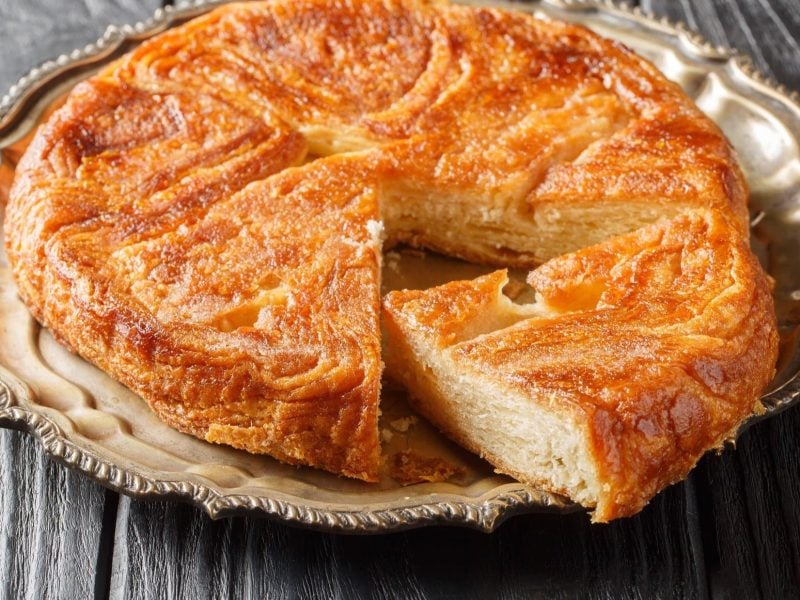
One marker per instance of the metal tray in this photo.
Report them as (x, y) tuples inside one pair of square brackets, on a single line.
[(91, 423)]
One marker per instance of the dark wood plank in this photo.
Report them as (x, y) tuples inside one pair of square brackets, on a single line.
[(50, 523), (37, 30), (172, 550), (767, 30), (749, 499)]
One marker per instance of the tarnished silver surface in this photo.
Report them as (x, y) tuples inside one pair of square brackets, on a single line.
[(91, 423)]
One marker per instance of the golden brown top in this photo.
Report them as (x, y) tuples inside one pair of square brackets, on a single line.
[(163, 222), (470, 102), (661, 341)]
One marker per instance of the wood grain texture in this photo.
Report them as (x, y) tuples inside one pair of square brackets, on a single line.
[(50, 524), (37, 30), (731, 531), (168, 550), (767, 30)]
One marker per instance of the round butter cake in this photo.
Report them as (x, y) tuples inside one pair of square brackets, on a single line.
[(204, 219)]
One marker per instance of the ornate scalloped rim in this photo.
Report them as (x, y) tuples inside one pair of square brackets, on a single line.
[(486, 515)]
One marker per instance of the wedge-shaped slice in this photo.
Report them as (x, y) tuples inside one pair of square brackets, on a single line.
[(640, 354)]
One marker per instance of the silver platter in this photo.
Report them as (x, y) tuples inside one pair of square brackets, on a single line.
[(91, 423)]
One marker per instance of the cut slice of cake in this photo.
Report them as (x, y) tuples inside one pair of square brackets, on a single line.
[(640, 354)]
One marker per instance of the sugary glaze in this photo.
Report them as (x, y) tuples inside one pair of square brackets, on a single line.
[(200, 219), (654, 346)]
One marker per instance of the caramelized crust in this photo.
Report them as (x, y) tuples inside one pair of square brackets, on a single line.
[(237, 293), (200, 219), (655, 346)]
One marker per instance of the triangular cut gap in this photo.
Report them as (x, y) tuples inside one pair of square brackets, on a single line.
[(324, 140), (320, 149), (517, 290), (407, 268), (511, 300), (311, 157)]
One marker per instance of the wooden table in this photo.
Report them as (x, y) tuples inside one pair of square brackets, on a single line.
[(732, 530)]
